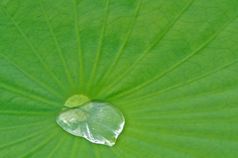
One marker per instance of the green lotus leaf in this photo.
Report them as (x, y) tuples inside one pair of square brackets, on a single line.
[(171, 68)]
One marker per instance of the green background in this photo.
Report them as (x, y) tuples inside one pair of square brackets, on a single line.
[(169, 66)]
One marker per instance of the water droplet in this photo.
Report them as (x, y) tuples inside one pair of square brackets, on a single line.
[(98, 122), (76, 100)]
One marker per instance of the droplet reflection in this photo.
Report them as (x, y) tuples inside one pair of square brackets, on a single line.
[(98, 122)]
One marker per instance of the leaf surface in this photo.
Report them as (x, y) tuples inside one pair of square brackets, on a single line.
[(169, 66)]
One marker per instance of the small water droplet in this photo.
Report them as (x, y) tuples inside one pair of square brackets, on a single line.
[(76, 100), (99, 122)]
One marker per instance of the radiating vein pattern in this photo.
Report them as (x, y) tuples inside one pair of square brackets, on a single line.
[(171, 67), (151, 46), (99, 46), (57, 45), (30, 76), (124, 43), (32, 47), (181, 62)]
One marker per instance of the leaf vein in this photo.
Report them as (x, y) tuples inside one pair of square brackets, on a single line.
[(32, 47), (79, 45), (179, 63), (99, 46), (25, 138), (123, 45), (148, 49), (32, 96), (188, 82), (30, 76), (57, 45)]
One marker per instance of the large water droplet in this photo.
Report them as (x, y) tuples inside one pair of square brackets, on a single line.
[(98, 122)]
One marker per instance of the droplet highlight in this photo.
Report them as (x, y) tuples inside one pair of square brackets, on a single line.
[(99, 122)]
